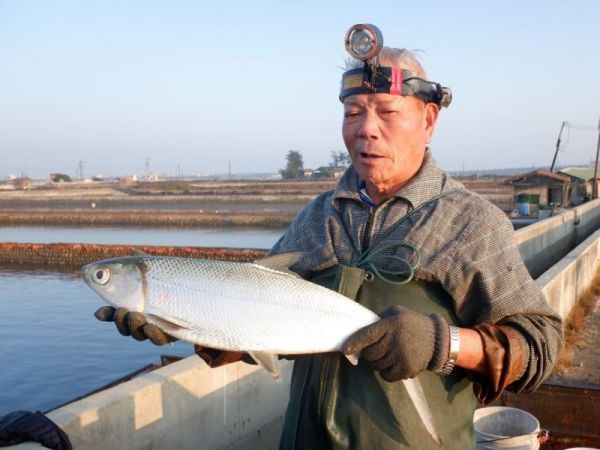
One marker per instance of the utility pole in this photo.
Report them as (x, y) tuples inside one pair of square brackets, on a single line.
[(80, 165), (557, 146), (595, 186)]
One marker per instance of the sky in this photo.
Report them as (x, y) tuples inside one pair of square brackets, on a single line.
[(191, 87)]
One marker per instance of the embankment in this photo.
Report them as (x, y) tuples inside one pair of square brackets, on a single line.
[(265, 219), (73, 256)]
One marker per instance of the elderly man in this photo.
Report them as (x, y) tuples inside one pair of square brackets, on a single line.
[(458, 309)]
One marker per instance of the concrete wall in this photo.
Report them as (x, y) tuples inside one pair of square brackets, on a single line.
[(185, 405), (564, 283), (544, 243)]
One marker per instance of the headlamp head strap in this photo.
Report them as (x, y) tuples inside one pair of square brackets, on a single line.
[(393, 80)]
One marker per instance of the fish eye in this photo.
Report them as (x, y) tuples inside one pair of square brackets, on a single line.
[(102, 275)]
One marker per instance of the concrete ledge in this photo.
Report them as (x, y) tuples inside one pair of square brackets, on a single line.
[(185, 405), (565, 282), (544, 243)]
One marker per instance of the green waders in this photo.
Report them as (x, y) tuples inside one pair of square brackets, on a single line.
[(334, 405)]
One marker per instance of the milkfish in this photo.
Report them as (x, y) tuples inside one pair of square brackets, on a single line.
[(260, 308)]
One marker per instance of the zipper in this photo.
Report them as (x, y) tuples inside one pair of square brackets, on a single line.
[(366, 240)]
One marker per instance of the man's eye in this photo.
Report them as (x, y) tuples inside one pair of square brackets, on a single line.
[(350, 114)]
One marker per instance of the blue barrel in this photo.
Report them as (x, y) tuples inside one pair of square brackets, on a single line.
[(523, 209)]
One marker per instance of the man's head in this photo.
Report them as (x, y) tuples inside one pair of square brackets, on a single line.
[(387, 134)]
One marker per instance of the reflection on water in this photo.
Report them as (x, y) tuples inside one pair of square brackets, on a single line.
[(52, 349), (200, 237)]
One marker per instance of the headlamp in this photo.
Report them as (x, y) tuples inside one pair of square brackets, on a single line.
[(364, 42)]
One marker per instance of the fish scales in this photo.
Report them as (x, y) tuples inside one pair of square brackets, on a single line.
[(240, 306)]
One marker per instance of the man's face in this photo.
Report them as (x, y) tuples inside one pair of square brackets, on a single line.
[(386, 136)]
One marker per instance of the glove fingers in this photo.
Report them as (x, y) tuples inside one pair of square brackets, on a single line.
[(156, 335), (376, 351), (120, 319), (363, 338), (227, 358), (105, 314), (135, 323), (393, 311)]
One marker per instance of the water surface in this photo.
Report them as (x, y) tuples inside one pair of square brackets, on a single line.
[(197, 237), (52, 349)]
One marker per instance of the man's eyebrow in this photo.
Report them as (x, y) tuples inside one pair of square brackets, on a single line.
[(351, 102)]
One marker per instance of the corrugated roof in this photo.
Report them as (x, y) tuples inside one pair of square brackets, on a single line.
[(583, 173)]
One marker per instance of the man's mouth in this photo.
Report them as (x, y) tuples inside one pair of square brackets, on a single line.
[(365, 156)]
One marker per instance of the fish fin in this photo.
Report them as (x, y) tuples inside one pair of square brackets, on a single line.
[(267, 361), (353, 359), (166, 325), (138, 252), (281, 262)]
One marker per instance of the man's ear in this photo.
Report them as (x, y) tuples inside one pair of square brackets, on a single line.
[(431, 115)]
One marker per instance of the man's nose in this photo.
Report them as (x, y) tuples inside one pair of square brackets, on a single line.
[(369, 126)]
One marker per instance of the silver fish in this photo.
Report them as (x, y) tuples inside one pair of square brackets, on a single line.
[(259, 308)]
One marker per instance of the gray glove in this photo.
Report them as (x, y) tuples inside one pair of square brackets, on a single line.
[(402, 343), (133, 323)]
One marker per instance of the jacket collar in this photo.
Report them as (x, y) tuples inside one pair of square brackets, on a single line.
[(428, 182)]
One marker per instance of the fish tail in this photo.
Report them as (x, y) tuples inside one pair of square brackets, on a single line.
[(416, 394)]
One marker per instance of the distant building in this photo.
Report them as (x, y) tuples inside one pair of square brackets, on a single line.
[(582, 180), (539, 188), (127, 180), (21, 182), (325, 173)]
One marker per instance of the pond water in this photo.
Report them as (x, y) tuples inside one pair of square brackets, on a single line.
[(193, 237), (52, 349)]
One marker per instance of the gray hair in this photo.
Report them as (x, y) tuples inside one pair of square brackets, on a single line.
[(393, 57)]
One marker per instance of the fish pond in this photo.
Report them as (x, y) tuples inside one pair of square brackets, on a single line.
[(52, 349)]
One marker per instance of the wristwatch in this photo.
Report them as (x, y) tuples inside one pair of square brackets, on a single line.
[(448, 366)]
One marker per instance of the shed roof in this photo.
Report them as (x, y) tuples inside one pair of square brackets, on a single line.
[(583, 173)]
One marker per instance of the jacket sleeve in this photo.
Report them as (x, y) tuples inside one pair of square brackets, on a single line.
[(491, 285)]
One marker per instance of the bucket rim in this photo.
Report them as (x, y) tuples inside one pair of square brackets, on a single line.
[(482, 413)]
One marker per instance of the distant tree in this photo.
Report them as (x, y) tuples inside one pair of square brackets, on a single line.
[(294, 168), (339, 159), (60, 177)]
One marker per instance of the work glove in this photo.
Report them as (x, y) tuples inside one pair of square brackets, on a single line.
[(402, 343), (134, 324), (215, 358)]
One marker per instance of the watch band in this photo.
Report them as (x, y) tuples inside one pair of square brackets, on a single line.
[(448, 366)]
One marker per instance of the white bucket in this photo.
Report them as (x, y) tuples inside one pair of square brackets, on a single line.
[(501, 427)]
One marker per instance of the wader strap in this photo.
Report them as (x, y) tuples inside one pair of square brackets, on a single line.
[(351, 279)]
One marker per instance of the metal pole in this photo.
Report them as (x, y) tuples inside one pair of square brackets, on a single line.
[(557, 146), (595, 186)]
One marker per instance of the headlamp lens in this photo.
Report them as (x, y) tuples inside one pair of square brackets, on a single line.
[(363, 41)]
